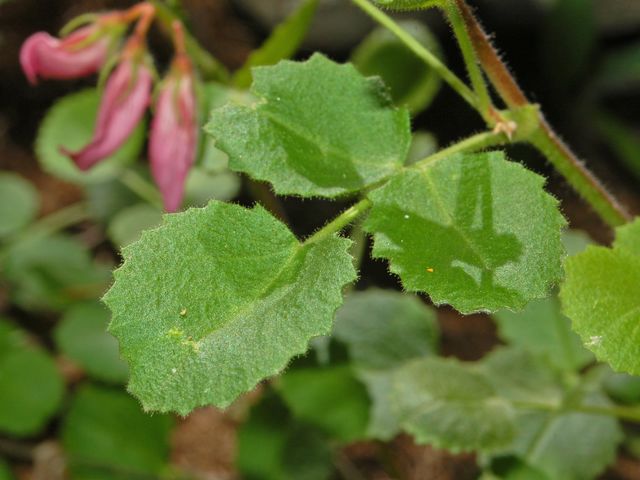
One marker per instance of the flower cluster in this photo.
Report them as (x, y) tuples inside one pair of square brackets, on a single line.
[(127, 93)]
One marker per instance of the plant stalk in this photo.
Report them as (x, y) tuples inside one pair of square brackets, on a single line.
[(341, 221)]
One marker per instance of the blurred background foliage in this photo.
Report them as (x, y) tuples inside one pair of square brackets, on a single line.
[(64, 410)]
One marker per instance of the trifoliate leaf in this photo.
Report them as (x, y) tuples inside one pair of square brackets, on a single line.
[(474, 231), (448, 405), (411, 81), (31, 386), (281, 44), (384, 330), (542, 329), (330, 398), (52, 272), (106, 435), (129, 223), (318, 129), (601, 296), (18, 203), (70, 123), (217, 299), (82, 336)]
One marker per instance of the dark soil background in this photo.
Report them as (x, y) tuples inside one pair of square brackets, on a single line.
[(204, 443)]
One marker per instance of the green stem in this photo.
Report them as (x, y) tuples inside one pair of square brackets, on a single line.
[(578, 176), (631, 414), (138, 185), (341, 221), (416, 47), (470, 144), (470, 57), (210, 67)]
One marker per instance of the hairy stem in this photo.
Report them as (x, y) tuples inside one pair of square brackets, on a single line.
[(471, 60), (423, 53), (471, 144), (341, 221), (545, 139)]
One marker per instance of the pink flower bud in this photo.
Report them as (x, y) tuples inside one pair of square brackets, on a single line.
[(74, 56), (126, 97), (174, 137)]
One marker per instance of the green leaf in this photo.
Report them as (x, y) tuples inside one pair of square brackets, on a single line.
[(272, 446), (203, 186), (70, 123), (623, 388), (474, 231), (106, 199), (217, 299), (19, 203), (82, 336), (318, 129), (411, 81), (51, 273), (601, 296), (31, 386), (448, 405), (542, 329), (129, 223), (423, 144), (561, 443), (282, 44), (408, 4), (384, 330), (106, 436), (330, 398)]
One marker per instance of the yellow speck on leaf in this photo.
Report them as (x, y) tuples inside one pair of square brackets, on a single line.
[(430, 270), (183, 312)]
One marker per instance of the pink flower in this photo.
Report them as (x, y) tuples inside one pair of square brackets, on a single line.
[(74, 56), (125, 99), (174, 137)]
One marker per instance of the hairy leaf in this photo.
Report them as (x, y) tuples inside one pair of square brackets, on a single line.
[(281, 44), (318, 129), (446, 404), (601, 296), (82, 336), (474, 231), (18, 203), (217, 299), (30, 385), (106, 435)]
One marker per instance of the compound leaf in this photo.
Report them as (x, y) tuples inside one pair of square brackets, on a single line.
[(473, 231), (318, 129), (217, 299), (601, 296)]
